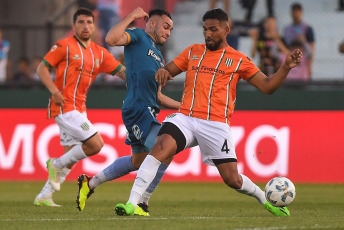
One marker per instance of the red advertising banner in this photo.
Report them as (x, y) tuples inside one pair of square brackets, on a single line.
[(305, 146)]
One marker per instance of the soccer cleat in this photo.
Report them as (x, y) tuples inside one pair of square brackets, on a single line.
[(125, 209), (141, 210), (277, 211), (84, 191), (45, 202), (54, 174)]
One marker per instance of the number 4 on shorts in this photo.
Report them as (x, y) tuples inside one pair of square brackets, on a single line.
[(225, 147)]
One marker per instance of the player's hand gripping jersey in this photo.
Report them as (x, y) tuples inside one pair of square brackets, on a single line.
[(211, 78), (76, 69)]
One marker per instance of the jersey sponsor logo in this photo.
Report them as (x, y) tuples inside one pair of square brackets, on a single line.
[(85, 126), (194, 57), (85, 72), (155, 56), (208, 70), (137, 132), (228, 62), (76, 57)]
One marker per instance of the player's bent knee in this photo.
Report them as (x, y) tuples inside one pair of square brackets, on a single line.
[(163, 150)]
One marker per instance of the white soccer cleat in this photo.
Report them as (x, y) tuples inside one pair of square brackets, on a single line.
[(45, 202)]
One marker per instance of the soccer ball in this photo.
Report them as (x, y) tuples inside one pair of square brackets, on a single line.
[(280, 191)]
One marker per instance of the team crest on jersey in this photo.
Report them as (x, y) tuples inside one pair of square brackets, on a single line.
[(53, 48), (76, 57), (194, 57), (97, 63), (228, 62)]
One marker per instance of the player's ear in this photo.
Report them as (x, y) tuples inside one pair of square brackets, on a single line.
[(152, 23), (226, 27)]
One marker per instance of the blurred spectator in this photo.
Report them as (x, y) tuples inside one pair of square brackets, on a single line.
[(301, 31), (233, 36), (89, 4), (34, 64), (341, 47), (250, 4), (23, 73), (4, 49), (340, 5), (226, 4), (109, 15), (301, 72), (268, 43)]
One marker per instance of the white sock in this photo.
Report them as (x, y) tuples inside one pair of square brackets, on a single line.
[(47, 190), (97, 180), (251, 189), (70, 158), (145, 176)]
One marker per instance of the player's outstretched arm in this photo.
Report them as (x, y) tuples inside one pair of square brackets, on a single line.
[(116, 35), (167, 73), (269, 85), (166, 101), (44, 76)]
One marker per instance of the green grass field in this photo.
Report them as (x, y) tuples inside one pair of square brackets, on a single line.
[(173, 206)]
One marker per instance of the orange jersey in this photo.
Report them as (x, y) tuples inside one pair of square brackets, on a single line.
[(211, 78), (76, 69)]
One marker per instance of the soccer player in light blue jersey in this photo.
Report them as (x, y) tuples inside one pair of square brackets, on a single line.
[(142, 59)]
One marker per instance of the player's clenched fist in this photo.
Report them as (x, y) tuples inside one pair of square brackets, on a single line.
[(139, 13), (294, 58)]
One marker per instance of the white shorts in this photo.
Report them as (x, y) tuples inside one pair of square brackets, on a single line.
[(214, 138), (74, 128)]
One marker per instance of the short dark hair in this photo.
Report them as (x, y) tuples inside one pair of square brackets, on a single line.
[(218, 14), (159, 12), (296, 6), (82, 11)]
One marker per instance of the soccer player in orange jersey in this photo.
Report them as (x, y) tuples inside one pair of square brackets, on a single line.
[(213, 70), (78, 61)]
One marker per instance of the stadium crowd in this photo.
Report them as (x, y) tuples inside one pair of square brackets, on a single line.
[(268, 44)]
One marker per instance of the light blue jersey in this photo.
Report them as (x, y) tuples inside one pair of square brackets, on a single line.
[(142, 59)]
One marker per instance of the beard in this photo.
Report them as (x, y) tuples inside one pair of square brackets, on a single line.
[(84, 38), (214, 46)]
